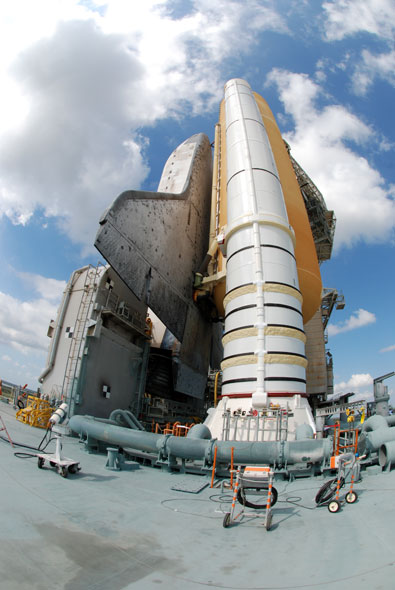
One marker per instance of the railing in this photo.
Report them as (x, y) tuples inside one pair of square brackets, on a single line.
[(113, 304), (344, 440), (258, 426), (176, 429), (11, 393)]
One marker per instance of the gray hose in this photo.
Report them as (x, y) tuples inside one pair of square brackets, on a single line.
[(128, 417)]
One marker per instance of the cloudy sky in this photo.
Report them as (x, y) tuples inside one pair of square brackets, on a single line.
[(96, 94)]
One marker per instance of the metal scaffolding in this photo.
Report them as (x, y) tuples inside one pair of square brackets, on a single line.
[(330, 298), (322, 221)]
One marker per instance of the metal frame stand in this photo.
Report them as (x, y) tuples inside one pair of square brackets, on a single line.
[(256, 477)]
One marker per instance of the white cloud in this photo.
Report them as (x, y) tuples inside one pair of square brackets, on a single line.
[(376, 17), (388, 348), (50, 289), (321, 142), (23, 324), (22, 368), (373, 66), (358, 319), (24, 23), (73, 153), (82, 81), (360, 384), (348, 17)]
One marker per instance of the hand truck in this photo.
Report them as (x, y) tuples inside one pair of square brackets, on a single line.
[(332, 487)]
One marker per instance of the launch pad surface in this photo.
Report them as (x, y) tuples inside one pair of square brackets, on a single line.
[(102, 528)]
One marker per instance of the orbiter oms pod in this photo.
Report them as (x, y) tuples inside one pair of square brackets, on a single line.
[(260, 274)]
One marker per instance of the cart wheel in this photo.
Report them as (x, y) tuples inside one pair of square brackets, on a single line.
[(334, 506), (40, 462), (268, 522), (63, 471), (52, 464), (73, 468), (328, 490), (226, 521), (351, 497)]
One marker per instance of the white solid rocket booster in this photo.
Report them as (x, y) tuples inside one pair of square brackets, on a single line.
[(264, 341)]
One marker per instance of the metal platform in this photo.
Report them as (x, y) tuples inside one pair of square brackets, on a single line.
[(129, 529), (339, 408)]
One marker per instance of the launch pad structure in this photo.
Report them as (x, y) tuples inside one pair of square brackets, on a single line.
[(199, 349), (133, 529), (216, 274)]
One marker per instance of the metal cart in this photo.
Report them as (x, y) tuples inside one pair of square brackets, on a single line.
[(63, 465), (252, 480), (347, 464)]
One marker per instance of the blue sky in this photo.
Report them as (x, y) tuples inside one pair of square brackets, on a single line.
[(96, 94)]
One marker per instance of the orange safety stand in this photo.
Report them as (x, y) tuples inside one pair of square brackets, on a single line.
[(214, 465), (4, 428), (254, 476)]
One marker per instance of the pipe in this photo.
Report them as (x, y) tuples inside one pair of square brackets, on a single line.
[(59, 324), (128, 417), (199, 431), (376, 438), (376, 431), (390, 420), (244, 453), (387, 454), (374, 423)]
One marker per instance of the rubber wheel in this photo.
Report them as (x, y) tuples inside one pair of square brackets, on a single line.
[(20, 404), (334, 506), (241, 497), (226, 521), (351, 497), (63, 471), (268, 522), (40, 462), (73, 469), (328, 490)]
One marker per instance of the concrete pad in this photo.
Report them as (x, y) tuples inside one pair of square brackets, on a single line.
[(129, 529)]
